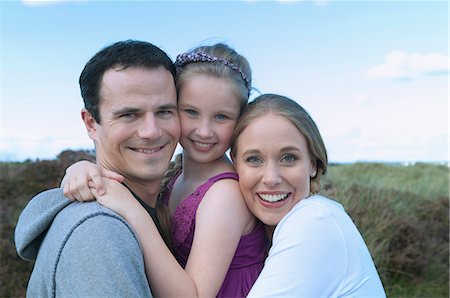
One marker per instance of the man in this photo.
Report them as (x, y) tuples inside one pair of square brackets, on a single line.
[(85, 249)]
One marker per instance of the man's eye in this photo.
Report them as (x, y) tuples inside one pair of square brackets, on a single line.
[(164, 113), (128, 116)]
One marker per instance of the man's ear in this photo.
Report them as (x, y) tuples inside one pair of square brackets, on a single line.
[(90, 123)]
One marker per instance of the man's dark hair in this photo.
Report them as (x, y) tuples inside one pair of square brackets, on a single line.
[(122, 54)]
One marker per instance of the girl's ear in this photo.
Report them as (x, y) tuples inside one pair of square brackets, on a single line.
[(90, 123)]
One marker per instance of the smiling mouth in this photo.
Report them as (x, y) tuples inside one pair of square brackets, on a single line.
[(202, 145), (273, 198), (147, 150)]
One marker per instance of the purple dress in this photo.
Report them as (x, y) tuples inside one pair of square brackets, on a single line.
[(249, 258)]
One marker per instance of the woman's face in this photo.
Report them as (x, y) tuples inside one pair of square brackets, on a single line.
[(274, 167)]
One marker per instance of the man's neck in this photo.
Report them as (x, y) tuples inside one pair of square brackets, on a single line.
[(147, 192)]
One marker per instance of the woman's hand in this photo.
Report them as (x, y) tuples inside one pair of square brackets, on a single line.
[(84, 175)]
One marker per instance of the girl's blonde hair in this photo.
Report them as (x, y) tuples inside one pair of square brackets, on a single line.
[(223, 62)]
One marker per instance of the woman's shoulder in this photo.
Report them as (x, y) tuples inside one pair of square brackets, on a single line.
[(314, 210), (318, 203)]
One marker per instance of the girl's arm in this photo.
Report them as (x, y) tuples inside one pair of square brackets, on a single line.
[(222, 218), (166, 277), (75, 182), (215, 240)]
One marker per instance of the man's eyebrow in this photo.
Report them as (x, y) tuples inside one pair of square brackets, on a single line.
[(126, 110), (168, 107)]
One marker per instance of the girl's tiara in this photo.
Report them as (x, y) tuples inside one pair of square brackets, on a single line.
[(186, 58)]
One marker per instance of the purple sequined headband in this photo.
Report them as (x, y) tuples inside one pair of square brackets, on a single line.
[(186, 58)]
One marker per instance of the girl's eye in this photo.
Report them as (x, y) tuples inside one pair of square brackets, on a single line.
[(221, 117), (190, 112), (289, 158)]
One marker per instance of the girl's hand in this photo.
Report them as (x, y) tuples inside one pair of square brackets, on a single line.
[(75, 183), (117, 198)]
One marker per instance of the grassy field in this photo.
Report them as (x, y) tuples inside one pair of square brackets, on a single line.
[(403, 215), (402, 212)]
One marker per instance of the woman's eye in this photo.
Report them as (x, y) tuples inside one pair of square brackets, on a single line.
[(253, 160), (289, 158), (221, 117)]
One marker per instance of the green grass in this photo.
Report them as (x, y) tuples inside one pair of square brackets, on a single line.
[(428, 181), (401, 211), (403, 214)]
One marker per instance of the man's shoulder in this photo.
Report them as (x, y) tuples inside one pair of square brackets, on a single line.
[(92, 247), (50, 219), (97, 218), (61, 212)]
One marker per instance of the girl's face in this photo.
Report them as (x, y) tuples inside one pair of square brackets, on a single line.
[(274, 167), (208, 109)]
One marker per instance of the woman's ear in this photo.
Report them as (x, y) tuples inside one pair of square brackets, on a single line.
[(90, 123), (313, 171)]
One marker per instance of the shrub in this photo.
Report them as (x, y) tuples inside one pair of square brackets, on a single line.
[(18, 183)]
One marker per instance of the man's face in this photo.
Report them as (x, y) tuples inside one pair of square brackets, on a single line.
[(139, 126)]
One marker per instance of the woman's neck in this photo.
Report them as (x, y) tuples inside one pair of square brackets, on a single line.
[(269, 233)]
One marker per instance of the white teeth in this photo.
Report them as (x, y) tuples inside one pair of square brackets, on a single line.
[(273, 198), (202, 145), (147, 151)]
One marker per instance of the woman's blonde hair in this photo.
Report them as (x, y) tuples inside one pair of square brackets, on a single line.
[(298, 116)]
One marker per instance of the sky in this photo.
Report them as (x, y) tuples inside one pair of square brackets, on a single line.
[(374, 75)]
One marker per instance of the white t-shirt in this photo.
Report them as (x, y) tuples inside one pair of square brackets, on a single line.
[(317, 251)]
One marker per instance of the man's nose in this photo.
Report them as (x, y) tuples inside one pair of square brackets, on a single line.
[(149, 128)]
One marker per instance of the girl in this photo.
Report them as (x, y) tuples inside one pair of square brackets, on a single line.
[(216, 240)]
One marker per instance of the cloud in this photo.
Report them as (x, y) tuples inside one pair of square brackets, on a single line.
[(402, 65), (316, 2), (46, 2)]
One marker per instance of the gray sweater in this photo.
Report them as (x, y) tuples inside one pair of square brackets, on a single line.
[(80, 249)]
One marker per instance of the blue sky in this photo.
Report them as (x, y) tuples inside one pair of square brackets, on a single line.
[(373, 74)]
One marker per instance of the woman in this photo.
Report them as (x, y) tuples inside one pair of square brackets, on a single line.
[(316, 250)]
